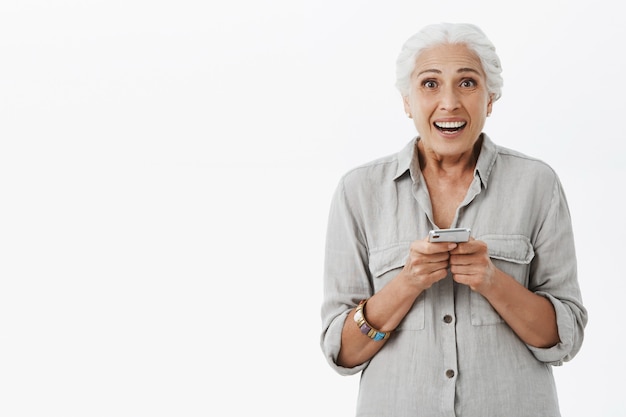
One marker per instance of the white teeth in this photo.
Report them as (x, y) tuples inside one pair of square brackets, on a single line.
[(449, 125)]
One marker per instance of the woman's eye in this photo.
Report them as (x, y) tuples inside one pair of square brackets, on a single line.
[(468, 83), (429, 84)]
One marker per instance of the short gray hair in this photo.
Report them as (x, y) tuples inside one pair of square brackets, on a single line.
[(449, 33)]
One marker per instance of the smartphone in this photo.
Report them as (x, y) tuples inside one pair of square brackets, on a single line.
[(457, 235)]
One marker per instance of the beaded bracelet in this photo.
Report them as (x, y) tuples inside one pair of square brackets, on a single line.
[(366, 328)]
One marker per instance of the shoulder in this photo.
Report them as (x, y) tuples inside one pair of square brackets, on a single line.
[(368, 184), (383, 170), (375, 170), (523, 164)]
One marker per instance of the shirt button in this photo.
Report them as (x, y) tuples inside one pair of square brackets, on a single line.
[(450, 373), (447, 318)]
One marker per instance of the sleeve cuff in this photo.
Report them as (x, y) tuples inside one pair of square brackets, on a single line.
[(565, 321), (331, 344)]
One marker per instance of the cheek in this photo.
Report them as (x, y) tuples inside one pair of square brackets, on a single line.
[(422, 106), (484, 104), (423, 113)]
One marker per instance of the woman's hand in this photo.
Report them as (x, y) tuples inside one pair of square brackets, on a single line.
[(427, 263), (532, 317), (470, 265)]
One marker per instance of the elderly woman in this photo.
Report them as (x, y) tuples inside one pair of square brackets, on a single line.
[(469, 328)]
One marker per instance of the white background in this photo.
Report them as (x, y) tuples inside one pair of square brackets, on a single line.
[(166, 169)]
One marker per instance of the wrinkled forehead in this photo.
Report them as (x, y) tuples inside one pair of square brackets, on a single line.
[(448, 57)]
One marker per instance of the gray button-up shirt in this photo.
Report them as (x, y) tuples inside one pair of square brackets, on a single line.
[(453, 355)]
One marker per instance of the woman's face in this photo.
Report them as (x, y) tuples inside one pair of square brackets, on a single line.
[(448, 100)]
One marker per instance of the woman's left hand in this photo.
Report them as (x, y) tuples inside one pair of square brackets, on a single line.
[(532, 317), (470, 265)]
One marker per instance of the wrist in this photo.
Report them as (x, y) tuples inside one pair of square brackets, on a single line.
[(365, 327)]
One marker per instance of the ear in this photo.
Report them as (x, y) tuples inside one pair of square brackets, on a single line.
[(407, 106), (490, 105)]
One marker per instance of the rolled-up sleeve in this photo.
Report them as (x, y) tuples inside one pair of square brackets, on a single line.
[(554, 276), (346, 275)]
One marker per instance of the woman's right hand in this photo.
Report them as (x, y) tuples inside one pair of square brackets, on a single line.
[(427, 263)]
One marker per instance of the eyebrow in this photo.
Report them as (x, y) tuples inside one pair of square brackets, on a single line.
[(459, 71)]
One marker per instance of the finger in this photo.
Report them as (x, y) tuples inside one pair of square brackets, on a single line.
[(471, 280), (437, 274), (461, 278), (466, 248), (428, 248), (457, 269), (461, 259), (417, 258), (428, 268), (441, 247)]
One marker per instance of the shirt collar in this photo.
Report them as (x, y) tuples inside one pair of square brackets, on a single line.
[(405, 157), (407, 160)]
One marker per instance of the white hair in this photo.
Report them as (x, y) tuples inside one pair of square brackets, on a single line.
[(449, 33)]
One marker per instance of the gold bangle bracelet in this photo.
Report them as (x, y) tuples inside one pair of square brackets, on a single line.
[(365, 327)]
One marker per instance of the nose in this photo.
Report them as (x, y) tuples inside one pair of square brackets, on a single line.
[(449, 99)]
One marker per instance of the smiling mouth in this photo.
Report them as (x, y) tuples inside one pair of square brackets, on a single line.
[(450, 127)]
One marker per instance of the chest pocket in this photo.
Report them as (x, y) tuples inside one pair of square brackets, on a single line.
[(385, 264), (511, 254)]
